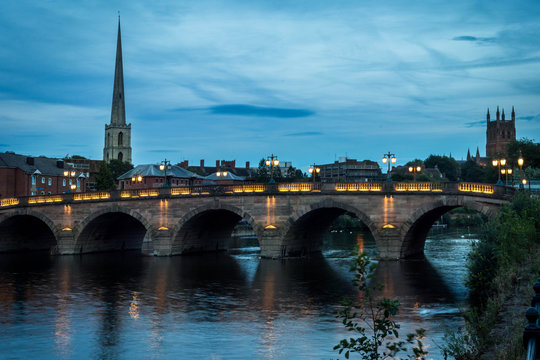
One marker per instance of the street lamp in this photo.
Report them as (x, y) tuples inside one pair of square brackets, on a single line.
[(272, 161), (499, 163), (415, 170), (520, 163), (506, 172), (389, 158), (70, 174), (165, 164), (313, 170), (220, 173), (137, 178)]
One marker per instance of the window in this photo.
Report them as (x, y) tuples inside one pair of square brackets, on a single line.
[(33, 181), (120, 156), (63, 182), (43, 193), (70, 181), (78, 183), (49, 193), (49, 182), (42, 180), (33, 193), (120, 138)]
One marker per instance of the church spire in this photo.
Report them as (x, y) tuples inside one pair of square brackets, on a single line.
[(118, 111)]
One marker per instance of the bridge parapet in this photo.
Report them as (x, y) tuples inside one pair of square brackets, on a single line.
[(385, 188)]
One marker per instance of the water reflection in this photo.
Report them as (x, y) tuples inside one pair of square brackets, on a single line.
[(236, 305)]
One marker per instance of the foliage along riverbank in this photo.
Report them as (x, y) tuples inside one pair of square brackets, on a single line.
[(502, 267)]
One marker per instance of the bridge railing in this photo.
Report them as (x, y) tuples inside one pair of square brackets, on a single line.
[(253, 189), (531, 334)]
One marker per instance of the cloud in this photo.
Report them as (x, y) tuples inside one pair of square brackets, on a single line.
[(250, 110), (305, 133), (474, 39), (526, 118), (475, 124)]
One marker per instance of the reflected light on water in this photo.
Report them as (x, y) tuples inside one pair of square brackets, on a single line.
[(134, 307), (62, 333), (360, 242)]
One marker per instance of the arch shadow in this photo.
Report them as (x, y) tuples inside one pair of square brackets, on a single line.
[(209, 228), (307, 227), (26, 230), (417, 227), (112, 228)]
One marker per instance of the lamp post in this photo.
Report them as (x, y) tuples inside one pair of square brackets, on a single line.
[(499, 163), (520, 163), (137, 179), (70, 174), (165, 164), (313, 170), (223, 174), (272, 161), (389, 158), (415, 170)]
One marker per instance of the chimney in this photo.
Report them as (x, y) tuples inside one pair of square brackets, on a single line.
[(247, 164), (30, 160), (202, 163), (217, 163)]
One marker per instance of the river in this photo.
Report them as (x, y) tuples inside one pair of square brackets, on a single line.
[(214, 306)]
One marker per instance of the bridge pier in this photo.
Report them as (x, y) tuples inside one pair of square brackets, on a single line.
[(162, 242), (66, 242), (271, 243)]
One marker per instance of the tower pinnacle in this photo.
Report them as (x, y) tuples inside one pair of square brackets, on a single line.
[(118, 111)]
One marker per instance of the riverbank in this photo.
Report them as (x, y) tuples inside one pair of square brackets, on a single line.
[(502, 267)]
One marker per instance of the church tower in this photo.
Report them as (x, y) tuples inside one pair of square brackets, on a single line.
[(117, 133), (499, 133)]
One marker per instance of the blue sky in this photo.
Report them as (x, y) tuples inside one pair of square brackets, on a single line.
[(309, 81)]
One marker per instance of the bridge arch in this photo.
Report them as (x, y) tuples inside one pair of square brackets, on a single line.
[(111, 228), (27, 230), (306, 227), (416, 228), (209, 228)]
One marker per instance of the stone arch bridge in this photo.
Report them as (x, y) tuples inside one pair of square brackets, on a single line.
[(288, 219)]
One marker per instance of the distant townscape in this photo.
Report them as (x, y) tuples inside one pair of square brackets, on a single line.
[(26, 175)]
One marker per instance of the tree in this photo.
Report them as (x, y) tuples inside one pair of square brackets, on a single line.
[(119, 168), (104, 178), (108, 174), (381, 340), (263, 175), (529, 150), (472, 172), (415, 162), (446, 165)]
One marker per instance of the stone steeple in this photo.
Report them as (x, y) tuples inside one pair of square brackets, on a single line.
[(118, 112), (117, 133)]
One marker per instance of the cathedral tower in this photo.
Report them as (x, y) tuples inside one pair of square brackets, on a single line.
[(117, 133), (499, 133)]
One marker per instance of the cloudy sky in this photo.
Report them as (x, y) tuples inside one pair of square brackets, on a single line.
[(307, 80)]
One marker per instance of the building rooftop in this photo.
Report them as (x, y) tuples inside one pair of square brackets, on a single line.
[(153, 170), (31, 164)]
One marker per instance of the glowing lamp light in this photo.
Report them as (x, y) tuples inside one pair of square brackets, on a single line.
[(495, 162), (418, 168), (310, 170), (218, 173), (133, 179), (503, 162), (524, 181), (267, 162), (161, 167), (503, 171), (73, 173), (509, 171), (270, 227), (394, 159), (384, 160), (139, 178), (520, 161), (224, 173), (73, 187), (66, 173), (410, 169), (318, 170)]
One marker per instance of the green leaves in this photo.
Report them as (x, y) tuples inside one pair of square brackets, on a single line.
[(377, 332)]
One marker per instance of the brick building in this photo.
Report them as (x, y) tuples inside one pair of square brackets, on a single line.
[(350, 170), (22, 175), (150, 176)]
